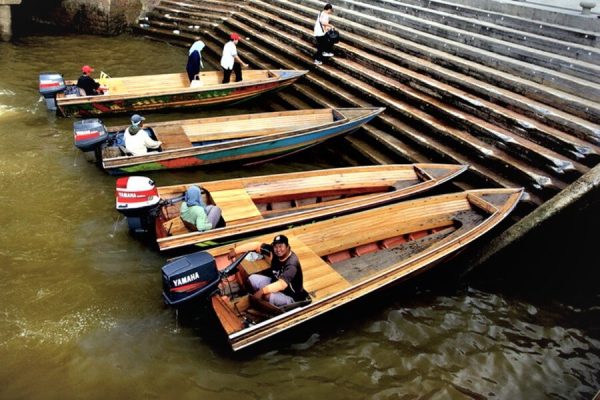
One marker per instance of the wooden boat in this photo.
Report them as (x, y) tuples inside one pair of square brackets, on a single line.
[(342, 259), (131, 94), (198, 142), (264, 203)]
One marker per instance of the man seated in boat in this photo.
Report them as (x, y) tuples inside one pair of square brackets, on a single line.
[(87, 83), (283, 283), (137, 139), (196, 213)]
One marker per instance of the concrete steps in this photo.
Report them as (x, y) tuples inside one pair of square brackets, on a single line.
[(567, 75), (539, 27), (531, 120), (487, 35), (553, 138), (536, 85), (525, 174)]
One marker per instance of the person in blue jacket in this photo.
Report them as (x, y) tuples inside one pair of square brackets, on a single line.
[(195, 212)]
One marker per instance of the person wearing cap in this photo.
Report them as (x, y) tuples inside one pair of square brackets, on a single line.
[(231, 61), (194, 63), (87, 83), (322, 26), (137, 139), (283, 283)]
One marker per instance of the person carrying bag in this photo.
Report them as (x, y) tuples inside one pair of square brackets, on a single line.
[(321, 31)]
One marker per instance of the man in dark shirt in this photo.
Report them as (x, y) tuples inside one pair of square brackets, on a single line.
[(282, 284), (87, 83)]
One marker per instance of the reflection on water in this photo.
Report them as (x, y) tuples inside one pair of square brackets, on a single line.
[(81, 307)]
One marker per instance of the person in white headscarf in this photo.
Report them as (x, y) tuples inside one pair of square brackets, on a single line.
[(194, 63)]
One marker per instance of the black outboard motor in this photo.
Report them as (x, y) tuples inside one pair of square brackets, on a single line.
[(89, 134), (137, 199), (194, 276), (51, 83)]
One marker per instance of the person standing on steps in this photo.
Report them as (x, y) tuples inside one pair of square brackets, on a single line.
[(322, 26), (231, 61)]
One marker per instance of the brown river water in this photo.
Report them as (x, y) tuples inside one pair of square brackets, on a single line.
[(81, 314)]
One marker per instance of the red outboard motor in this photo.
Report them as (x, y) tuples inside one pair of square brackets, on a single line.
[(89, 134), (51, 83), (137, 198), (193, 276)]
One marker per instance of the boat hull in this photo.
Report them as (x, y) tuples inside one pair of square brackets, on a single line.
[(317, 194), (219, 95), (385, 246), (266, 147)]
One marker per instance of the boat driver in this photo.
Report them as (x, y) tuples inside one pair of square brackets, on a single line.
[(87, 83), (283, 283), (137, 139)]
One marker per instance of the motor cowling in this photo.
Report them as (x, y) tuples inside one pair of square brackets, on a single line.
[(194, 276), (89, 134), (51, 83), (136, 198)]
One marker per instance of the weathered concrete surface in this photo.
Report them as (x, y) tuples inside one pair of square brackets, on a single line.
[(103, 17), (562, 218), (548, 11), (5, 18)]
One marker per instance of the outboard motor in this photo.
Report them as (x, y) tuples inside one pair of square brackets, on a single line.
[(193, 276), (51, 83), (137, 198), (88, 134)]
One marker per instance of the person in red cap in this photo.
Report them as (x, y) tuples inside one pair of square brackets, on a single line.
[(283, 283), (87, 83), (231, 61)]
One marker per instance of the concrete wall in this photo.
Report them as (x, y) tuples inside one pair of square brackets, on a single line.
[(6, 18), (104, 17)]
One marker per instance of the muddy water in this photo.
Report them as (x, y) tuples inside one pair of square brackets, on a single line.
[(80, 308)]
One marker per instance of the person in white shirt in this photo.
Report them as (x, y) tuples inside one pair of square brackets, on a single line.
[(322, 25), (231, 61), (137, 140)]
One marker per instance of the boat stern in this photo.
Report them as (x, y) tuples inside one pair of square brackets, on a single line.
[(51, 83), (137, 199)]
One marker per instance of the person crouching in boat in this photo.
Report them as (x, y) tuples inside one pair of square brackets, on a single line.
[(283, 283), (137, 140), (87, 83), (196, 213)]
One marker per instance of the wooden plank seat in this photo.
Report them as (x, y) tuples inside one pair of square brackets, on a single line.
[(140, 85), (172, 137), (231, 128), (367, 181), (175, 226), (236, 205), (197, 133), (320, 279)]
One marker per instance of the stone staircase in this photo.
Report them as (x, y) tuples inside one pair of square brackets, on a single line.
[(516, 99)]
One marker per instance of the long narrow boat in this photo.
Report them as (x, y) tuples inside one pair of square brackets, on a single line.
[(342, 259), (152, 92), (264, 203), (203, 141)]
